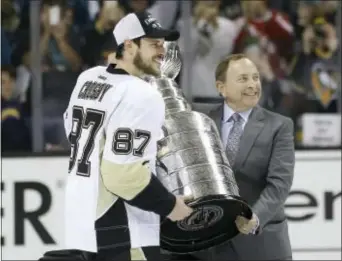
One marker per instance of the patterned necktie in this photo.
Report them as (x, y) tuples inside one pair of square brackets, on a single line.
[(234, 137)]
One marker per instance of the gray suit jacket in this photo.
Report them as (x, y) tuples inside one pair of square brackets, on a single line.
[(263, 169)]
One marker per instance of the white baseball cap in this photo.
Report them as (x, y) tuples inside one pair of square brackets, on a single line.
[(135, 25)]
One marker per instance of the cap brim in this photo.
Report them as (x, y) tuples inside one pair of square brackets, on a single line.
[(168, 35)]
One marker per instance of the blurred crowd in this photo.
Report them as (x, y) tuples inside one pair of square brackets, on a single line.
[(293, 43)]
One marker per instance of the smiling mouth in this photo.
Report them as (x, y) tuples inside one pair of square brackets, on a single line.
[(159, 59), (253, 94)]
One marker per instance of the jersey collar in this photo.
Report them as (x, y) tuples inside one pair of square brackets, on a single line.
[(111, 69)]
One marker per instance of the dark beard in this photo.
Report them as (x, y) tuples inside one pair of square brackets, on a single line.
[(142, 66)]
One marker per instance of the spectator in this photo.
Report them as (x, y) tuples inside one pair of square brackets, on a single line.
[(10, 20), (266, 37), (328, 9), (14, 132), (99, 40), (23, 11), (315, 70), (212, 39), (247, 42), (59, 46), (305, 13), (274, 31), (60, 41)]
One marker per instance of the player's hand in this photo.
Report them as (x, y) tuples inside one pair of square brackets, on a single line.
[(180, 210), (247, 226)]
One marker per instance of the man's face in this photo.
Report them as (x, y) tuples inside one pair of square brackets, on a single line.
[(242, 87), (149, 56), (7, 85)]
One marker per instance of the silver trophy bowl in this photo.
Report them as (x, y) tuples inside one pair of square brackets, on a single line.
[(190, 120), (191, 161), (176, 104), (189, 157), (215, 184), (191, 139)]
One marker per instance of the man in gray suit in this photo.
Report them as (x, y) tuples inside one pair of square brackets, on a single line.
[(260, 148)]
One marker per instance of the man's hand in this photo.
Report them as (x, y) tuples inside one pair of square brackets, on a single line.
[(180, 210), (247, 226)]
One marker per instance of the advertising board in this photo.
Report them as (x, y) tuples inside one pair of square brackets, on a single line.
[(33, 196)]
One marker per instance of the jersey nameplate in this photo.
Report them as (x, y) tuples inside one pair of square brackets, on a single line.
[(92, 90)]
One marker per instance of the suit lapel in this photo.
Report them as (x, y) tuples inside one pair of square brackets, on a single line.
[(216, 115), (251, 131)]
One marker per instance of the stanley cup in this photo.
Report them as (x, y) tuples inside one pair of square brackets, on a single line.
[(192, 161)]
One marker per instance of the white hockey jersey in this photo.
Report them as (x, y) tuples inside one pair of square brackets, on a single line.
[(113, 122)]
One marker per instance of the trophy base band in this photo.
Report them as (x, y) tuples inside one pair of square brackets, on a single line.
[(212, 223)]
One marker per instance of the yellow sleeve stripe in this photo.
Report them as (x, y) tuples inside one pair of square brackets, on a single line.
[(125, 180), (10, 112)]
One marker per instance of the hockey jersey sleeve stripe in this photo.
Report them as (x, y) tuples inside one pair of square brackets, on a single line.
[(135, 184), (137, 254)]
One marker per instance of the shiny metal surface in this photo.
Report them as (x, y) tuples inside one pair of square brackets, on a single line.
[(172, 63), (195, 139), (172, 92), (164, 83), (201, 180), (168, 88), (173, 105), (190, 157), (191, 161), (187, 121)]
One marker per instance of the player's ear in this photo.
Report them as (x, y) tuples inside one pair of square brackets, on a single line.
[(129, 47)]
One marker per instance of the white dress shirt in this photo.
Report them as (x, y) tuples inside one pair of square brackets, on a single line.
[(227, 126)]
